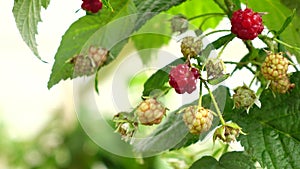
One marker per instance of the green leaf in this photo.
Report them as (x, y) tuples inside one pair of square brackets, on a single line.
[(286, 23), (188, 10), (98, 30), (175, 128), (277, 13), (107, 4), (229, 160), (27, 16), (273, 136), (154, 34), (149, 8), (292, 4), (158, 80)]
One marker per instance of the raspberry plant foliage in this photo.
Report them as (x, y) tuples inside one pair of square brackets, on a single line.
[(269, 134)]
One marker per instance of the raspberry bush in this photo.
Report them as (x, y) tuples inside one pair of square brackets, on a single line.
[(262, 115)]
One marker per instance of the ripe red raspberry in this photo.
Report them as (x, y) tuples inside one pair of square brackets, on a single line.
[(91, 5), (150, 112), (183, 78), (275, 66), (197, 119), (246, 24)]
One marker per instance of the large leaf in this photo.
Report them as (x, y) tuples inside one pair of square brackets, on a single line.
[(92, 30), (277, 14), (273, 135), (230, 160), (149, 8), (27, 15), (95, 30), (194, 8), (292, 4), (151, 36), (173, 133)]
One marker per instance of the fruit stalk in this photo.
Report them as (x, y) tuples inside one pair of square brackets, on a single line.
[(215, 103)]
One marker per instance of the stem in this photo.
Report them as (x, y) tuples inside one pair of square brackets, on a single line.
[(217, 31), (221, 51), (200, 95), (286, 44), (252, 81), (215, 103), (241, 63), (207, 14)]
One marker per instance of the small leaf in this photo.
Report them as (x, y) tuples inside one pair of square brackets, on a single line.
[(218, 80), (273, 136), (229, 160), (27, 16), (286, 23)]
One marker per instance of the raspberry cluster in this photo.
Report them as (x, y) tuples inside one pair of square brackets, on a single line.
[(275, 68), (197, 119), (246, 24), (91, 5), (183, 78), (190, 46), (150, 112)]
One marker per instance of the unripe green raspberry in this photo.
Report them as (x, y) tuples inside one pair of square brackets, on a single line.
[(275, 66), (282, 85), (215, 68), (191, 46), (179, 23), (197, 119), (150, 112), (244, 97), (85, 65), (228, 132)]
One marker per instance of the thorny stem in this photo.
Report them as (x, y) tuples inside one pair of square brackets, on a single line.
[(215, 103), (207, 14)]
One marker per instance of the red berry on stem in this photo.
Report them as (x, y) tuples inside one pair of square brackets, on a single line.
[(246, 24), (91, 5), (183, 78)]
